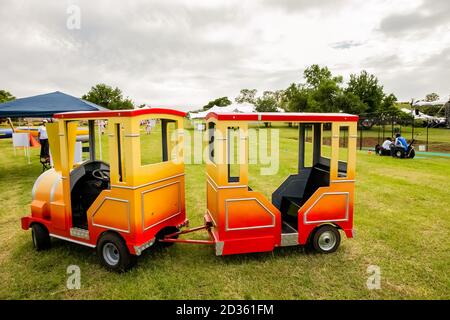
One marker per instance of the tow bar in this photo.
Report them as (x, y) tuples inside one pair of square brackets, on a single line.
[(207, 227)]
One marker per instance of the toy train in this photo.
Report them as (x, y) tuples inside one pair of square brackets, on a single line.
[(123, 207)]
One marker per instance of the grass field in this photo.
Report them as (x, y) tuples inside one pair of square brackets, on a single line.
[(402, 218)]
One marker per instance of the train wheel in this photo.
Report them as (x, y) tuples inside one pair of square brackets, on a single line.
[(40, 236), (326, 239), (161, 234), (114, 254)]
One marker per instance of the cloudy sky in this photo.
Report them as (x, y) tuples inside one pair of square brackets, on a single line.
[(184, 53)]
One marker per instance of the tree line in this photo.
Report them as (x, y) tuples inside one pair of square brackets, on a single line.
[(321, 91)]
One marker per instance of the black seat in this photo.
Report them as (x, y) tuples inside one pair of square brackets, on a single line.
[(85, 188), (319, 177)]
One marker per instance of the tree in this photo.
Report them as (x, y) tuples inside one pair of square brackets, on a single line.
[(323, 98), (432, 97), (107, 97), (388, 105), (246, 95), (220, 102), (267, 102), (316, 75), (349, 103), (5, 96), (295, 98), (365, 86), (323, 88)]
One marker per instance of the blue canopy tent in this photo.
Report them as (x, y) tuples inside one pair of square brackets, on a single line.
[(45, 105)]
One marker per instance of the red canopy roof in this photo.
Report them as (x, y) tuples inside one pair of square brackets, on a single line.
[(119, 113), (284, 117)]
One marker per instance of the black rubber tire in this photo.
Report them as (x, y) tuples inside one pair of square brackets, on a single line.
[(399, 153), (125, 260), (322, 231), (412, 154), (165, 231), (40, 237)]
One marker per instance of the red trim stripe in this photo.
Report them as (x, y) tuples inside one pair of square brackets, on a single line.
[(118, 113), (283, 116)]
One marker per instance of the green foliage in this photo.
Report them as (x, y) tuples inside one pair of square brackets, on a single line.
[(322, 91), (318, 94), (437, 111), (6, 96), (107, 97), (246, 95), (316, 76), (349, 103), (366, 87), (432, 97), (220, 102), (295, 98), (388, 106), (324, 96), (267, 102)]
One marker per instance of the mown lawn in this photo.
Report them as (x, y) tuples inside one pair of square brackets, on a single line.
[(402, 217)]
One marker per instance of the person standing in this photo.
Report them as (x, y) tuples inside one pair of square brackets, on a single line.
[(43, 140)]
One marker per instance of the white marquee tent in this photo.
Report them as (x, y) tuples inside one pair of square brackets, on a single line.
[(235, 107)]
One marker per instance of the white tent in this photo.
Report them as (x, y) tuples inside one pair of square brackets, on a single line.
[(417, 116), (430, 103), (423, 116), (235, 107)]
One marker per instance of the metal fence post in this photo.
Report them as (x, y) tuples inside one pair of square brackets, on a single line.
[(360, 138)]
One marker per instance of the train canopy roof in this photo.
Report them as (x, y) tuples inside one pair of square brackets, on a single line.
[(118, 113), (284, 117), (45, 105)]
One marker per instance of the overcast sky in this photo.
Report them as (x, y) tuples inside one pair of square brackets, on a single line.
[(184, 53)]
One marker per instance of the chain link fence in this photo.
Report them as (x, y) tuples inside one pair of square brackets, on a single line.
[(428, 134)]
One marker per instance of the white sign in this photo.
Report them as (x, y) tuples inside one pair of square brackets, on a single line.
[(21, 140)]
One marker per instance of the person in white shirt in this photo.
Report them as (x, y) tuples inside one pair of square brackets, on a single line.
[(387, 144), (43, 140)]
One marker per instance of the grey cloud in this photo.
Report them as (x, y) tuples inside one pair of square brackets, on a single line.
[(303, 5), (168, 53), (383, 62), (147, 49), (418, 79), (429, 15), (341, 45)]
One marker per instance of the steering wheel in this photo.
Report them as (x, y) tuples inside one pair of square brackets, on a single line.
[(101, 174)]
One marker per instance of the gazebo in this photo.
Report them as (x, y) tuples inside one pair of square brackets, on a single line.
[(45, 105)]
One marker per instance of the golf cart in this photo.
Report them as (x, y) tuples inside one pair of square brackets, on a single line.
[(400, 152)]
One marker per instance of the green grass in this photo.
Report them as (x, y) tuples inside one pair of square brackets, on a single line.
[(402, 218)]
